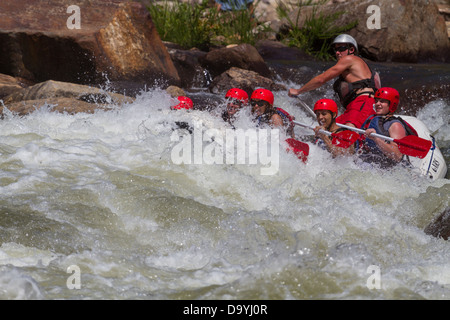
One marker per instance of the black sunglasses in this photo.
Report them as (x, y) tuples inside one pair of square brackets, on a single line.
[(340, 49), (260, 103), (235, 102)]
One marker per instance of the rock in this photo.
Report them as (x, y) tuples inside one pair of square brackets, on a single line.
[(175, 91), (444, 10), (191, 73), (56, 89), (9, 85), (265, 10), (116, 40), (440, 227), (243, 56), (274, 50), (245, 79), (62, 97), (410, 31), (63, 105)]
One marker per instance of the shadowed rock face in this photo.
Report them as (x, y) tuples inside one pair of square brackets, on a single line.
[(244, 56), (40, 57), (116, 40), (440, 227), (245, 79)]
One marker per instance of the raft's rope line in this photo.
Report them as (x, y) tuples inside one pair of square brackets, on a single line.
[(433, 147)]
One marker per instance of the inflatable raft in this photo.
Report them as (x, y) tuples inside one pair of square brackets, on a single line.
[(433, 164)]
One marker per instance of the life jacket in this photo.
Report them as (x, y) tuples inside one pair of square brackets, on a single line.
[(288, 120), (368, 149), (285, 116), (408, 128), (346, 91)]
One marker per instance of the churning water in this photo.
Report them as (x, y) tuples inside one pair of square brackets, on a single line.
[(93, 206)]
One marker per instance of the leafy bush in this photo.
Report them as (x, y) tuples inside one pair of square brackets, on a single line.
[(318, 30), (201, 25), (240, 26), (183, 23)]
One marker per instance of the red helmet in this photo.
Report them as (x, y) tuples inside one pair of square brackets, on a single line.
[(263, 94), (326, 104), (185, 103), (238, 94), (389, 94)]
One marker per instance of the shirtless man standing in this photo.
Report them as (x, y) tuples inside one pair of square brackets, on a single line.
[(356, 83)]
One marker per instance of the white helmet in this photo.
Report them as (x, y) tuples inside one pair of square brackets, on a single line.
[(345, 38)]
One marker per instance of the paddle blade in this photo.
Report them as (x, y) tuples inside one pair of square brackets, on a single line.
[(344, 139), (300, 149), (414, 146)]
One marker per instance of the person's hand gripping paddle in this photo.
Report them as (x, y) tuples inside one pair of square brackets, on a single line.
[(343, 139), (410, 145)]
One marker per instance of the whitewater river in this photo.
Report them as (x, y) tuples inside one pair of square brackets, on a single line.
[(102, 206)]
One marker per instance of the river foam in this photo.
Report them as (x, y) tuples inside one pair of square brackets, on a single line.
[(101, 192)]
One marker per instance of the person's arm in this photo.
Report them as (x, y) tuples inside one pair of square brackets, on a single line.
[(332, 148), (276, 121), (396, 131), (316, 82)]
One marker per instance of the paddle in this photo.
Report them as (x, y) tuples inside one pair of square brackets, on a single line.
[(300, 149), (343, 139), (410, 145), (307, 108)]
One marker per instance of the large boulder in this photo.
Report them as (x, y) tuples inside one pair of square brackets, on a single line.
[(62, 97), (409, 30), (91, 42), (440, 227), (9, 85), (246, 80), (57, 89), (274, 50), (244, 56), (62, 105), (192, 74)]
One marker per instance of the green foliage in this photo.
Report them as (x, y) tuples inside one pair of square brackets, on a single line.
[(201, 25), (240, 26), (183, 23), (316, 33)]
